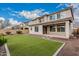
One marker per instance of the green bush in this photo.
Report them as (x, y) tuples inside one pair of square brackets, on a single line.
[(2, 40), (19, 32)]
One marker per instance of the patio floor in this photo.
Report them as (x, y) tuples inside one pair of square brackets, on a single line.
[(71, 48), (55, 36)]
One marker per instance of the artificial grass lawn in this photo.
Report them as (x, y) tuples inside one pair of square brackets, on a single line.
[(27, 45)]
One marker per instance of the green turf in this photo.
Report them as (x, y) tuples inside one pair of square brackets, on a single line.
[(27, 45)]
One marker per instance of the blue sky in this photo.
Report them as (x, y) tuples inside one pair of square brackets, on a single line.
[(13, 10), (22, 12)]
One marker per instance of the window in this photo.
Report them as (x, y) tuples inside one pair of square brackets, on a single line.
[(61, 28), (52, 28), (58, 16), (63, 14), (50, 17), (53, 17), (36, 29), (26, 28), (22, 28), (31, 28), (39, 20)]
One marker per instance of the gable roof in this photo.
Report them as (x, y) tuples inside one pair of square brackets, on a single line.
[(68, 8)]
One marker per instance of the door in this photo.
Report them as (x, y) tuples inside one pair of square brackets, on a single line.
[(44, 29)]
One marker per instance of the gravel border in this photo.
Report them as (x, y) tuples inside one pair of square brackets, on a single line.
[(7, 50)]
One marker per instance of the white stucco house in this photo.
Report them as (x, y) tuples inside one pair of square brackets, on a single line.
[(58, 24)]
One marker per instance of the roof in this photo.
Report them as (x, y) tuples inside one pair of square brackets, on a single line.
[(55, 22), (68, 8)]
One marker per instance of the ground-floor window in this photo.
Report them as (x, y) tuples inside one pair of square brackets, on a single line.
[(52, 28), (61, 28), (36, 29), (31, 28), (22, 28)]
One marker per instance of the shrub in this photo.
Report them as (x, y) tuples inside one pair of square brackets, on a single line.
[(8, 33), (19, 32), (2, 40)]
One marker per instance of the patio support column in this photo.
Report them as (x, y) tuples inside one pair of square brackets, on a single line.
[(56, 28), (67, 29), (71, 27)]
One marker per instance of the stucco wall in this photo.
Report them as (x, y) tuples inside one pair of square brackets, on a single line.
[(32, 31), (66, 34)]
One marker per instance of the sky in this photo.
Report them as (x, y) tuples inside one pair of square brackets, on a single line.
[(22, 12)]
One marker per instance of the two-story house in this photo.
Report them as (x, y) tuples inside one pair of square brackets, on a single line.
[(58, 24)]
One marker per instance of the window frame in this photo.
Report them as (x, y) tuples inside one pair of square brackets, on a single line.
[(58, 16), (63, 15), (36, 29), (52, 28), (53, 17), (60, 28)]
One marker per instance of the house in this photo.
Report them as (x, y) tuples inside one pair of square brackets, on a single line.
[(24, 27), (58, 24)]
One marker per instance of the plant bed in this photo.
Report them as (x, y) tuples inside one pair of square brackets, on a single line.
[(2, 45), (2, 40)]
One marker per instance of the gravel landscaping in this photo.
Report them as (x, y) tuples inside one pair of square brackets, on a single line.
[(2, 51)]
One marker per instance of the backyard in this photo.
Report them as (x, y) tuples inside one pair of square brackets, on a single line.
[(28, 45)]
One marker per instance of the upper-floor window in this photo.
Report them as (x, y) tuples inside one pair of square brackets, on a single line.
[(31, 28), (53, 17), (63, 14), (58, 16), (50, 17), (39, 20)]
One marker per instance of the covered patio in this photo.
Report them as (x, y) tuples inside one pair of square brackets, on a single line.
[(60, 29)]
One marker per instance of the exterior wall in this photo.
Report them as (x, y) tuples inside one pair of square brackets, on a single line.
[(66, 34), (32, 31), (63, 14), (68, 29), (71, 28), (46, 18)]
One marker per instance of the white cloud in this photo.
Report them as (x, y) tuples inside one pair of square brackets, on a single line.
[(12, 12), (33, 14), (13, 22), (75, 11), (9, 8), (16, 15), (2, 18), (61, 4)]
